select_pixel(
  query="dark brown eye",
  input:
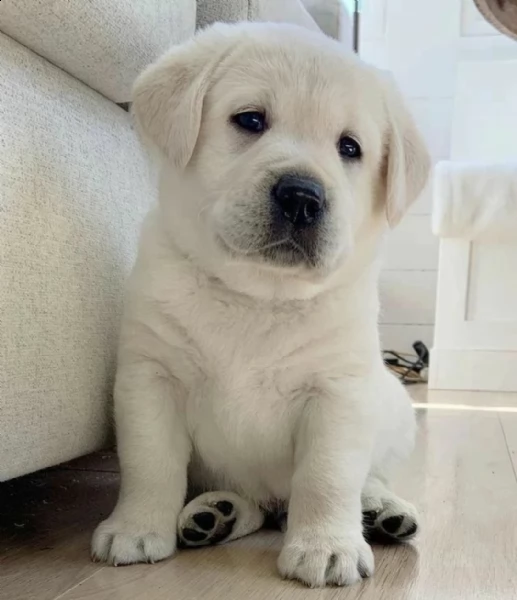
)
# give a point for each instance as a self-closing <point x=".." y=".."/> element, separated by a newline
<point x="252" y="121"/>
<point x="349" y="148"/>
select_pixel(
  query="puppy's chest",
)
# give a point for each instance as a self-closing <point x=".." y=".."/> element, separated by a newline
<point x="254" y="370"/>
<point x="238" y="339"/>
<point x="255" y="360"/>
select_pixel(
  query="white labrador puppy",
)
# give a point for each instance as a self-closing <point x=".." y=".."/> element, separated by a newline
<point x="249" y="365"/>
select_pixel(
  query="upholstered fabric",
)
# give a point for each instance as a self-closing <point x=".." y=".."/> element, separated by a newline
<point x="231" y="11"/>
<point x="104" y="43"/>
<point x="74" y="187"/>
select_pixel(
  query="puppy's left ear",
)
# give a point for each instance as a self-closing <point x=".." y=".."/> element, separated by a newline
<point x="168" y="95"/>
<point x="406" y="162"/>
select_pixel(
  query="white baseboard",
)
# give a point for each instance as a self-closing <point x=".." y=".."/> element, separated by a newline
<point x="476" y="370"/>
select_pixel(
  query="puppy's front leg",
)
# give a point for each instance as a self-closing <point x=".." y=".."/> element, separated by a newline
<point x="154" y="451"/>
<point x="324" y="541"/>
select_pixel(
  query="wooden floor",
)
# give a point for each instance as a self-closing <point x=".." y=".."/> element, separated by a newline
<point x="462" y="477"/>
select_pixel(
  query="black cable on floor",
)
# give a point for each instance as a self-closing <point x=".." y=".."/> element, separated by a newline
<point x="408" y="370"/>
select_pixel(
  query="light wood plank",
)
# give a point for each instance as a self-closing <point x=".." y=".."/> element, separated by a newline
<point x="463" y="400"/>
<point x="482" y="401"/>
<point x="462" y="480"/>
<point x="509" y="424"/>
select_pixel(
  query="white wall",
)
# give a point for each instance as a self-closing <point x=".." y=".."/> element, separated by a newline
<point x="421" y="42"/>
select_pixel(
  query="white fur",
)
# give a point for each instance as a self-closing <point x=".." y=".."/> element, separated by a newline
<point x="258" y="379"/>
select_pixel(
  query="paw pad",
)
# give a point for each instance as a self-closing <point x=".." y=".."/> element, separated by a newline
<point x="392" y="524"/>
<point x="204" y="520"/>
<point x="193" y="535"/>
<point x="224" y="507"/>
<point x="369" y="518"/>
<point x="410" y="532"/>
<point x="382" y="529"/>
<point x="208" y="524"/>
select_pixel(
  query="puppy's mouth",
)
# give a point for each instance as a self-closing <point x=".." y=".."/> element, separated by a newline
<point x="292" y="253"/>
<point x="289" y="251"/>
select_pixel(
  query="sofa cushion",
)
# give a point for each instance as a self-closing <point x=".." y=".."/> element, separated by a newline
<point x="74" y="187"/>
<point x="104" y="43"/>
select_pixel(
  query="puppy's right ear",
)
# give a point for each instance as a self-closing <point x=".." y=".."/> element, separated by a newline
<point x="407" y="161"/>
<point x="168" y="95"/>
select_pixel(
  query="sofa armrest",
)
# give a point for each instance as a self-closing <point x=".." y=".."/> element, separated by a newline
<point x="103" y="43"/>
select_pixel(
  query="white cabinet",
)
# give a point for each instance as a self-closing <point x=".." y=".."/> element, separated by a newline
<point x="475" y="344"/>
<point x="424" y="43"/>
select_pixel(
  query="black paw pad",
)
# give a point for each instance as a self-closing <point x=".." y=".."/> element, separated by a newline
<point x="369" y="517"/>
<point x="224" y="507"/>
<point x="223" y="532"/>
<point x="392" y="524"/>
<point x="204" y="520"/>
<point x="411" y="531"/>
<point x="191" y="535"/>
<point x="276" y="520"/>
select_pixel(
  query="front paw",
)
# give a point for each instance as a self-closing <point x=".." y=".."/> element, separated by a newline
<point x="319" y="559"/>
<point x="124" y="541"/>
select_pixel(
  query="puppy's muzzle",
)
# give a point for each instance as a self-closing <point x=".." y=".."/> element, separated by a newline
<point x="300" y="200"/>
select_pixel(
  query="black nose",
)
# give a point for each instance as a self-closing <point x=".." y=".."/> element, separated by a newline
<point x="300" y="199"/>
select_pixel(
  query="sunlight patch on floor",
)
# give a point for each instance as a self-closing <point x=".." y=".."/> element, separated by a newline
<point x="436" y="406"/>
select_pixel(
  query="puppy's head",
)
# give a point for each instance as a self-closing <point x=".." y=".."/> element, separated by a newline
<point x="281" y="150"/>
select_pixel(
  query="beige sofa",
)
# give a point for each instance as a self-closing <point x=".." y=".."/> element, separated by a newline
<point x="74" y="187"/>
